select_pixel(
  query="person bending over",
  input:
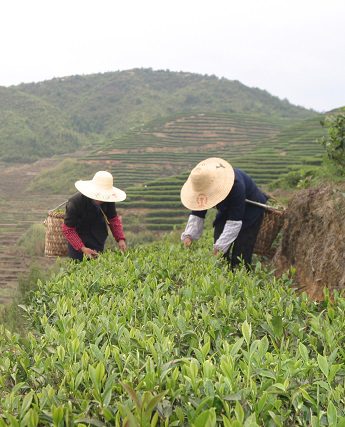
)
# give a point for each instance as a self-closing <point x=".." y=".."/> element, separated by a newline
<point x="89" y="212"/>
<point x="215" y="183"/>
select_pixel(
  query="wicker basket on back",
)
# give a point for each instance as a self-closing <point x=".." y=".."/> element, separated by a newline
<point x="55" y="241"/>
<point x="271" y="225"/>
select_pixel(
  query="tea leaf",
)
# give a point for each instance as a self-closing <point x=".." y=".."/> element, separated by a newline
<point x="332" y="414"/>
<point x="236" y="347"/>
<point x="26" y="403"/>
<point x="206" y="419"/>
<point x="303" y="351"/>
<point x="277" y="324"/>
<point x="246" y="331"/>
<point x="323" y="364"/>
<point x="239" y="412"/>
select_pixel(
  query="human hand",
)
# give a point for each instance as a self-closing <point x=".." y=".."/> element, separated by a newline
<point x="187" y="242"/>
<point x="215" y="251"/>
<point x="89" y="253"/>
<point x="122" y="245"/>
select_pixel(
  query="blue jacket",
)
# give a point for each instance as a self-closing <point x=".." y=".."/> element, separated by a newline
<point x="234" y="206"/>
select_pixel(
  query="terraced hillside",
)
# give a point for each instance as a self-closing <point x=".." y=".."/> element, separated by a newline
<point x="165" y="148"/>
<point x="151" y="162"/>
<point x="19" y="210"/>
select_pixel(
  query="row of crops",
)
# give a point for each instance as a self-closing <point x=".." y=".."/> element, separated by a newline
<point x="169" y="337"/>
<point x="170" y="147"/>
<point x="151" y="162"/>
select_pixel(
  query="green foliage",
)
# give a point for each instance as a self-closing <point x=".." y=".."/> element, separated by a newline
<point x="301" y="178"/>
<point x="307" y="178"/>
<point x="31" y="128"/>
<point x="170" y="337"/>
<point x="335" y="141"/>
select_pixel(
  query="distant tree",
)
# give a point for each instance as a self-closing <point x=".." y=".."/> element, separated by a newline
<point x="191" y="99"/>
<point x="334" y="142"/>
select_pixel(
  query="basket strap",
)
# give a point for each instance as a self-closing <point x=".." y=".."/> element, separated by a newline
<point x="105" y="218"/>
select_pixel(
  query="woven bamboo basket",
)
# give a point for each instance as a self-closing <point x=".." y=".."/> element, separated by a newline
<point x="55" y="241"/>
<point x="271" y="225"/>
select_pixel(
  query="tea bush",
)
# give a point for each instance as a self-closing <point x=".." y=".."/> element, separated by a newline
<point x="170" y="337"/>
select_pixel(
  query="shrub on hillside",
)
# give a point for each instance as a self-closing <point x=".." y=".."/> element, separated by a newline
<point x="335" y="141"/>
<point x="295" y="179"/>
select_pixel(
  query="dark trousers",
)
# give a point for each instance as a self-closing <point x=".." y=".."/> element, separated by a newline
<point x="242" y="248"/>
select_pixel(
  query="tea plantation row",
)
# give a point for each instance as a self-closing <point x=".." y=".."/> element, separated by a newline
<point x="166" y="336"/>
<point x="169" y="146"/>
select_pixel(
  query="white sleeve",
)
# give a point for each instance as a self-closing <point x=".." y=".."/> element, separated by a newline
<point x="194" y="228"/>
<point x="229" y="234"/>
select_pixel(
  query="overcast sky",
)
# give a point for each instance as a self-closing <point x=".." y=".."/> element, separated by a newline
<point x="294" y="49"/>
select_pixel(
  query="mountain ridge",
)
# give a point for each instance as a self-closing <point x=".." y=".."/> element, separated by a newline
<point x="105" y="105"/>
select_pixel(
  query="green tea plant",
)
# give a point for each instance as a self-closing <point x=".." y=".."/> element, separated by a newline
<point x="164" y="336"/>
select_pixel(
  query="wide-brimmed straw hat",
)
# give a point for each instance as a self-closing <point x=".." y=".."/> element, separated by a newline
<point x="101" y="188"/>
<point x="208" y="184"/>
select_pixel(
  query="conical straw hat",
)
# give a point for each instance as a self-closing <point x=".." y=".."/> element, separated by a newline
<point x="208" y="184"/>
<point x="101" y="188"/>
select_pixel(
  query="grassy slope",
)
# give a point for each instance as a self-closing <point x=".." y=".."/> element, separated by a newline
<point x="108" y="335"/>
<point x="60" y="178"/>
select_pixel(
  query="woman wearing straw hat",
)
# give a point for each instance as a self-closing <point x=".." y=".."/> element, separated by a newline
<point x="89" y="212"/>
<point x="215" y="183"/>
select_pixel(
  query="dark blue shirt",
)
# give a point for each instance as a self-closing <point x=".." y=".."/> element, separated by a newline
<point x="234" y="206"/>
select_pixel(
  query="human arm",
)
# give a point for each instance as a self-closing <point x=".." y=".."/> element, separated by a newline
<point x="75" y="241"/>
<point x="229" y="235"/>
<point x="116" y="228"/>
<point x="114" y="222"/>
<point x="230" y="213"/>
<point x="194" y="227"/>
